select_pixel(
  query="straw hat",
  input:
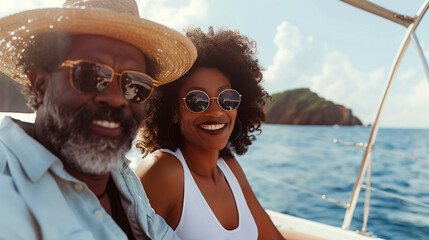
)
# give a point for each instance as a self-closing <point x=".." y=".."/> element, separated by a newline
<point x="172" y="52"/>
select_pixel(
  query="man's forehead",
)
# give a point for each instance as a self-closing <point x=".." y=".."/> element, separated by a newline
<point x="95" y="42"/>
<point x="106" y="50"/>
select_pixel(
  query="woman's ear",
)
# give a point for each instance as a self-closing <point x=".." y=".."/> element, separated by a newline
<point x="39" y="81"/>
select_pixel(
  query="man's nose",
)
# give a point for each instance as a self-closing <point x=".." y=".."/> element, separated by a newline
<point x="112" y="95"/>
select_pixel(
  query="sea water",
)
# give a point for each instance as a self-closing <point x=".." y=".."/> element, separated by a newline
<point x="290" y="168"/>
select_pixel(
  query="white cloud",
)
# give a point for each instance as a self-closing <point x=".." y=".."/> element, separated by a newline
<point x="175" y="14"/>
<point x="420" y="94"/>
<point x="288" y="36"/>
<point x="341" y="82"/>
<point x="410" y="106"/>
<point x="288" y="41"/>
<point x="331" y="74"/>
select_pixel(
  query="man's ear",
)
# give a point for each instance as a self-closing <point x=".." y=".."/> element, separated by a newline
<point x="39" y="81"/>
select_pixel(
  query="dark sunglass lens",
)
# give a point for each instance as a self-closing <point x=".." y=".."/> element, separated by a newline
<point x="197" y="101"/>
<point x="229" y="100"/>
<point x="136" y="86"/>
<point x="91" y="77"/>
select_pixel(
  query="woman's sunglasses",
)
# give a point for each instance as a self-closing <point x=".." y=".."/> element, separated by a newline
<point x="198" y="101"/>
<point x="89" y="77"/>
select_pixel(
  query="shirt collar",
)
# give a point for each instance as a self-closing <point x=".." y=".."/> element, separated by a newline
<point x="34" y="158"/>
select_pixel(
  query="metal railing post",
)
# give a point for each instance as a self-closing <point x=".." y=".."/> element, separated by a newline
<point x="367" y="156"/>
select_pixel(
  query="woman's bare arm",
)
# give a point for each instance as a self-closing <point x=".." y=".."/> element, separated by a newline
<point x="162" y="177"/>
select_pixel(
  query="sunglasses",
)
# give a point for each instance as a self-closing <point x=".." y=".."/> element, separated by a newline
<point x="89" y="77"/>
<point x="198" y="101"/>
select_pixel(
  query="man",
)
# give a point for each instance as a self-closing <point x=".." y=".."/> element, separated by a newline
<point x="87" y="69"/>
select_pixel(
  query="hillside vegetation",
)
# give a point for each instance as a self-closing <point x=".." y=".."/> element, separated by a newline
<point x="304" y="107"/>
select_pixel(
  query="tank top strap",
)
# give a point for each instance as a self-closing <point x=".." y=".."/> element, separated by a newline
<point x="178" y="154"/>
<point x="243" y="211"/>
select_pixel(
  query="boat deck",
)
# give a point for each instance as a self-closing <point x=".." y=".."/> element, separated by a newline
<point x="320" y="230"/>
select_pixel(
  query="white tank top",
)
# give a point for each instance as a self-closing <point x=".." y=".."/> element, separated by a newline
<point x="199" y="222"/>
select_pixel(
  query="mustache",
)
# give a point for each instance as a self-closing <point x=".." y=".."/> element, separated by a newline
<point x="80" y="119"/>
<point x="85" y="116"/>
<point x="107" y="113"/>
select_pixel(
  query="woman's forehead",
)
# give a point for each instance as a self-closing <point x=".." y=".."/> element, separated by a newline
<point x="206" y="79"/>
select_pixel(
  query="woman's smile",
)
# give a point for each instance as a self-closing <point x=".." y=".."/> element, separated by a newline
<point x="213" y="127"/>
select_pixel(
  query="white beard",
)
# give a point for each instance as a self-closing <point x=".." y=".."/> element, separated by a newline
<point x="95" y="158"/>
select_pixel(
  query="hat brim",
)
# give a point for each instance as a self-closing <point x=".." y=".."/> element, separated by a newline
<point x="172" y="52"/>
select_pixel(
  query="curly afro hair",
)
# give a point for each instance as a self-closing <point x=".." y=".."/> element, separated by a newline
<point x="233" y="55"/>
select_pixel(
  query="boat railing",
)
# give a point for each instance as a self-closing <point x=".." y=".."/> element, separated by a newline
<point x="411" y="24"/>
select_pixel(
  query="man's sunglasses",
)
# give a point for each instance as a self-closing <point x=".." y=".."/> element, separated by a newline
<point x="89" y="77"/>
<point x="198" y="101"/>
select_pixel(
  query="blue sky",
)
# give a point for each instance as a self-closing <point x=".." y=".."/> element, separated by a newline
<point x="342" y="53"/>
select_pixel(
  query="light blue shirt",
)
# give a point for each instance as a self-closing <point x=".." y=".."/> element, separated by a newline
<point x="40" y="200"/>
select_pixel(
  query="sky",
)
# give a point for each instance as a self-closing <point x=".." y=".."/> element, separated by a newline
<point x="338" y="51"/>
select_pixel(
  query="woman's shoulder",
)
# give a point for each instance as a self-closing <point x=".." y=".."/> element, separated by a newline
<point x="162" y="164"/>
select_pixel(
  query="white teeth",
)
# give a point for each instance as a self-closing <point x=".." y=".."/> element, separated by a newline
<point x="106" y="124"/>
<point x="212" y="126"/>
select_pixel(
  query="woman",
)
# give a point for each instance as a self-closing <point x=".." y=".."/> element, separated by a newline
<point x="194" y="125"/>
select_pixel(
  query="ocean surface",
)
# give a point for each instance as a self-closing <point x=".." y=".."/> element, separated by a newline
<point x="291" y="167"/>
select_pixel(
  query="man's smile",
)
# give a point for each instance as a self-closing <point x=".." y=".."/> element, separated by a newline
<point x="106" y="127"/>
<point x="106" y="123"/>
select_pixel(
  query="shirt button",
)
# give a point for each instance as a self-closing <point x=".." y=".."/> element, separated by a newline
<point x="78" y="186"/>
<point x="98" y="213"/>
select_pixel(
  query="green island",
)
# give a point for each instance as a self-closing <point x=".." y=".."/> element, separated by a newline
<point x="303" y="107"/>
